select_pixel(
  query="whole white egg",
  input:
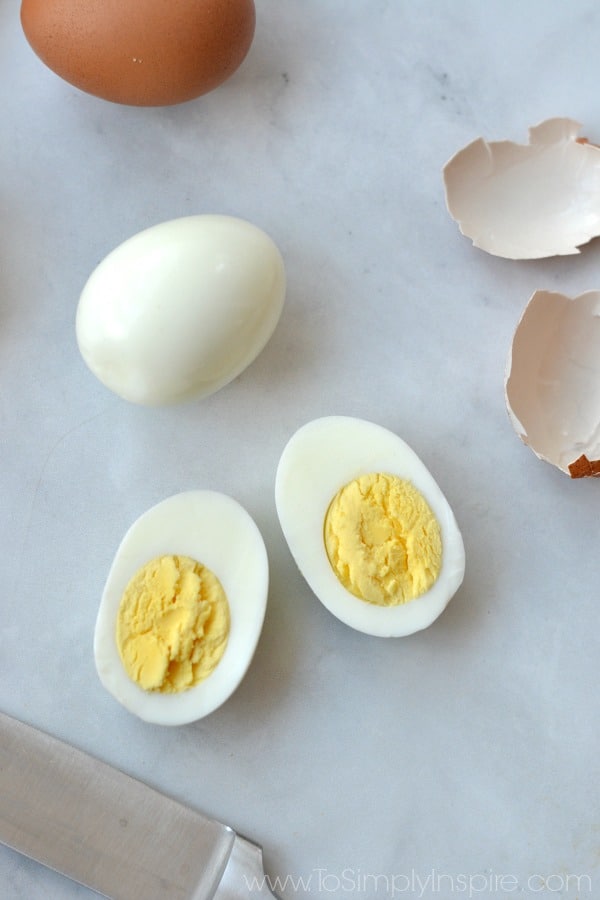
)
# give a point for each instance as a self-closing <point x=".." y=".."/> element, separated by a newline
<point x="215" y="530"/>
<point x="179" y="310"/>
<point x="321" y="458"/>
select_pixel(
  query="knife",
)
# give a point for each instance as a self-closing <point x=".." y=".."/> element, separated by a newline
<point x="113" y="833"/>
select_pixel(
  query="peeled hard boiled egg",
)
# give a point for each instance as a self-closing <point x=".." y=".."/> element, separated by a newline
<point x="147" y="637"/>
<point x="368" y="526"/>
<point x="141" y="52"/>
<point x="527" y="201"/>
<point x="179" y="310"/>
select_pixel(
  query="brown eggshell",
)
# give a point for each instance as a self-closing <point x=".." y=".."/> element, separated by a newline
<point x="141" y="52"/>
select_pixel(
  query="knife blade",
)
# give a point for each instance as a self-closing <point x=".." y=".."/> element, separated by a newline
<point x="113" y="833"/>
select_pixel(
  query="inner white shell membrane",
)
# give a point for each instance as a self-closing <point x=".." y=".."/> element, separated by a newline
<point x="216" y="531"/>
<point x="527" y="201"/>
<point x="319" y="459"/>
<point x="553" y="377"/>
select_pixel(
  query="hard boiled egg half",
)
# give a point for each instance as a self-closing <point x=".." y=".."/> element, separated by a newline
<point x="183" y="608"/>
<point x="368" y="526"/>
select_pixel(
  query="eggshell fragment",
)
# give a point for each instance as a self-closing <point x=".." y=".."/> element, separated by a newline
<point x="527" y="201"/>
<point x="553" y="380"/>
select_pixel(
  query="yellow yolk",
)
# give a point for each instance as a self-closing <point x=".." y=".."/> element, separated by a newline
<point x="383" y="540"/>
<point x="173" y="624"/>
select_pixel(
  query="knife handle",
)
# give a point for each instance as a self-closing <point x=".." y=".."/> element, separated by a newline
<point x="244" y="875"/>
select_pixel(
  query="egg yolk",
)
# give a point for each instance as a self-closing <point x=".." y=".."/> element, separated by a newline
<point x="383" y="540"/>
<point x="172" y="625"/>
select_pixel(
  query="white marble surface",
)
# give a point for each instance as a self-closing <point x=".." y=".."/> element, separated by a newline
<point x="470" y="749"/>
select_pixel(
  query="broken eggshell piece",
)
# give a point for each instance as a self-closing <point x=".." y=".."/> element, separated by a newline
<point x="552" y="384"/>
<point x="527" y="201"/>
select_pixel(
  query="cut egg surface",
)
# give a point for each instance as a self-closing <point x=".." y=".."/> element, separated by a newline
<point x="368" y="526"/>
<point x="179" y="310"/>
<point x="207" y="544"/>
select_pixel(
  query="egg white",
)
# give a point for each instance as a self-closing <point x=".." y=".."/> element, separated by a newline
<point x="180" y="309"/>
<point x="319" y="459"/>
<point x="215" y="530"/>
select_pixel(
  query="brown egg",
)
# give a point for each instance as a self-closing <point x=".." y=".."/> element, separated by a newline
<point x="141" y="52"/>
